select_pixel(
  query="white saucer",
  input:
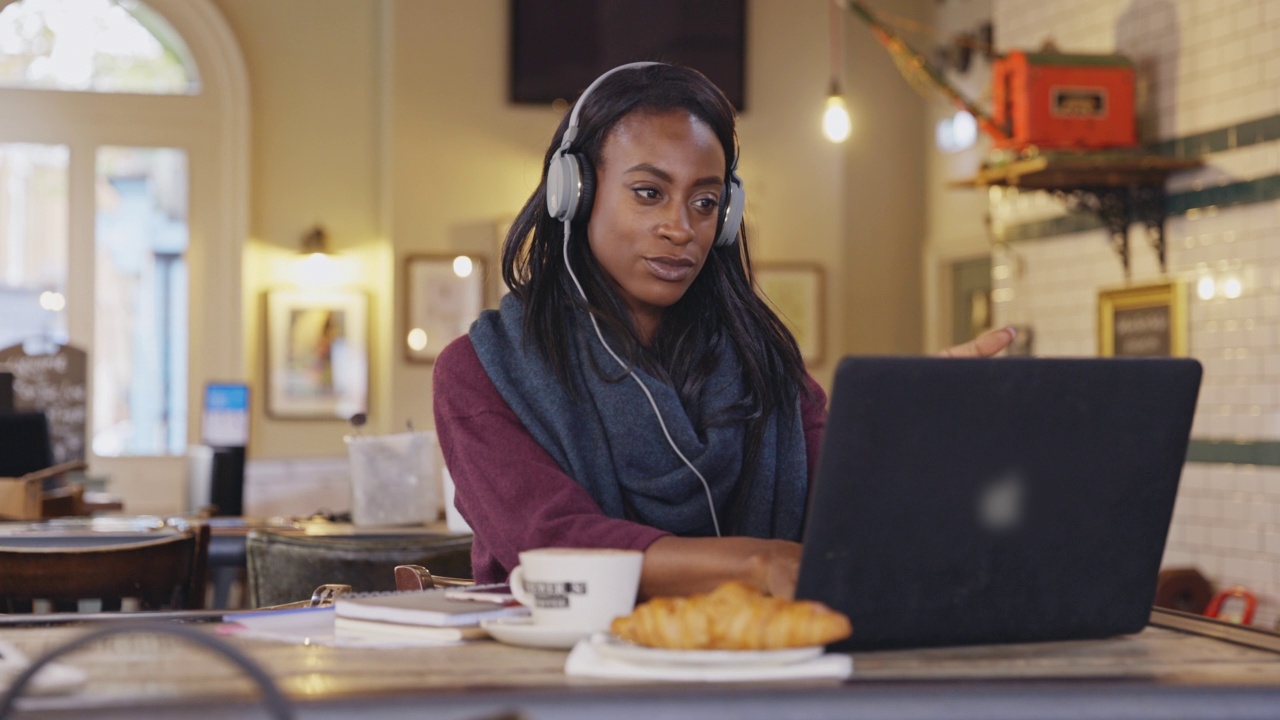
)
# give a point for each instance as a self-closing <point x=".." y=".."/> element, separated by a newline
<point x="611" y="646"/>
<point x="523" y="631"/>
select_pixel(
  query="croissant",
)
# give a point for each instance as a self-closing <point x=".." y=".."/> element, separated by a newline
<point x="734" y="616"/>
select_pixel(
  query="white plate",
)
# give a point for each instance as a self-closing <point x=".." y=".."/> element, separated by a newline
<point x="611" y="646"/>
<point x="522" y="631"/>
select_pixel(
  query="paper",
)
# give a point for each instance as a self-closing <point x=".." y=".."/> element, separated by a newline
<point x="585" y="661"/>
<point x="315" y="626"/>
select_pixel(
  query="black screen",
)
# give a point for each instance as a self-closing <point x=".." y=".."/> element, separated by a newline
<point x="559" y="46"/>
<point x="24" y="443"/>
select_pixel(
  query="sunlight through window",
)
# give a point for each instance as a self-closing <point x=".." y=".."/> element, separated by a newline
<point x="113" y="46"/>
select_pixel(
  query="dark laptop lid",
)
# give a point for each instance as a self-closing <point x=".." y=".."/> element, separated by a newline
<point x="987" y="501"/>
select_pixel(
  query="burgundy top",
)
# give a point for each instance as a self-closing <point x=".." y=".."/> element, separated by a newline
<point x="514" y="496"/>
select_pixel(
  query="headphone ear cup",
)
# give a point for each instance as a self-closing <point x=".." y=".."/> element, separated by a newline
<point x="587" y="185"/>
<point x="735" y="199"/>
<point x="564" y="187"/>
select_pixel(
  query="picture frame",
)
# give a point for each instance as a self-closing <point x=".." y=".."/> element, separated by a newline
<point x="317" y="354"/>
<point x="796" y="291"/>
<point x="443" y="295"/>
<point x="1143" y="321"/>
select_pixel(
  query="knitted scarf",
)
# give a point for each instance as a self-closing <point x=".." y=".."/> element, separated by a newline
<point x="609" y="441"/>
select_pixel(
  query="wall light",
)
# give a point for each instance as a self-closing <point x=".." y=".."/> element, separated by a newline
<point x="462" y="266"/>
<point x="315" y="242"/>
<point x="1206" y="288"/>
<point x="417" y="339"/>
<point x="1232" y="288"/>
<point x="319" y="266"/>
<point x="52" y="301"/>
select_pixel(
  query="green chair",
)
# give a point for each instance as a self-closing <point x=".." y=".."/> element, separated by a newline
<point x="284" y="568"/>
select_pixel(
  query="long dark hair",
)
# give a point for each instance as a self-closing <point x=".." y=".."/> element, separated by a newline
<point x="720" y="309"/>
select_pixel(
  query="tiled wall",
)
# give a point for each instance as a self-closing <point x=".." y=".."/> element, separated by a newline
<point x="1206" y="65"/>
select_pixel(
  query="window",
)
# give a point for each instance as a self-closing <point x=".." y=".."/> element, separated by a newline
<point x="101" y="228"/>
<point x="140" y="293"/>
<point x="33" y="242"/>
<point x="96" y="45"/>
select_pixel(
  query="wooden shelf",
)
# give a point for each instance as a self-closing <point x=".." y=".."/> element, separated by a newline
<point x="1061" y="171"/>
<point x="1119" y="188"/>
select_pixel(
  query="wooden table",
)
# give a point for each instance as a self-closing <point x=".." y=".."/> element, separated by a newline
<point x="1159" y="673"/>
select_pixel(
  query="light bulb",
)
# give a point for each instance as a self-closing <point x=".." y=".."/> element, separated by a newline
<point x="836" y="124"/>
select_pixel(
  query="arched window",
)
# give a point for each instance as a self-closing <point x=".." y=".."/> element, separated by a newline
<point x="94" y="45"/>
<point x="122" y="191"/>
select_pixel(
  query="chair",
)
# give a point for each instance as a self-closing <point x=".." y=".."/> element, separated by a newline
<point x="166" y="572"/>
<point x="285" y="568"/>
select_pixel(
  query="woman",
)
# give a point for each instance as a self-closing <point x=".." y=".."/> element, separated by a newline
<point x="633" y="391"/>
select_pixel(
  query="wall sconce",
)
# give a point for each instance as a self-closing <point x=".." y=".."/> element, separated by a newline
<point x="319" y="267"/>
<point x="315" y="242"/>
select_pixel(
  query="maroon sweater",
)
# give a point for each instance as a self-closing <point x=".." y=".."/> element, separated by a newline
<point x="514" y="496"/>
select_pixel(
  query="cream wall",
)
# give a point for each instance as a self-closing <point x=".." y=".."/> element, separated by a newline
<point x="387" y="121"/>
<point x="882" y="197"/>
<point x="313" y="75"/>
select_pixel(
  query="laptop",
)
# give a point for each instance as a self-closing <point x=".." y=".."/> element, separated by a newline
<point x="967" y="501"/>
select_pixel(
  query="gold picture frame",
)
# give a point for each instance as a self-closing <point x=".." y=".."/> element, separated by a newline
<point x="443" y="295"/>
<point x="317" y="354"/>
<point x="1144" y="321"/>
<point x="796" y="291"/>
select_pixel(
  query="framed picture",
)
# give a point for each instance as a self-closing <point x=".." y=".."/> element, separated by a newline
<point x="317" y="354"/>
<point x="1143" y="321"/>
<point x="443" y="295"/>
<point x="795" y="290"/>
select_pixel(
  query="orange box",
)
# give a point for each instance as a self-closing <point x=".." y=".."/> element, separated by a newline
<point x="1055" y="101"/>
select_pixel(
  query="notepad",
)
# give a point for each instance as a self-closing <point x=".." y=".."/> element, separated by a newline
<point x="423" y="607"/>
<point x="346" y="629"/>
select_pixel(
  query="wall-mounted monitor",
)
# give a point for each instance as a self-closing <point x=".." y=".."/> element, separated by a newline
<point x="559" y="46"/>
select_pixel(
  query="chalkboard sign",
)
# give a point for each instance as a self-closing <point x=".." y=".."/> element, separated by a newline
<point x="1147" y="321"/>
<point x="55" y="384"/>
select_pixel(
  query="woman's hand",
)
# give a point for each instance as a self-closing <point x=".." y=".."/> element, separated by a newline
<point x="985" y="345"/>
<point x="684" y="566"/>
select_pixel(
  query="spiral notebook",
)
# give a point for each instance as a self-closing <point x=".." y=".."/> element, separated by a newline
<point x="421" y="607"/>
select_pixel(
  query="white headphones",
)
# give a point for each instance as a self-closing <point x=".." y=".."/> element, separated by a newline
<point x="566" y="171"/>
<point x="565" y="186"/>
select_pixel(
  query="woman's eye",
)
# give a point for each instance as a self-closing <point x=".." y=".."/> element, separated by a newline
<point x="647" y="193"/>
<point x="707" y="203"/>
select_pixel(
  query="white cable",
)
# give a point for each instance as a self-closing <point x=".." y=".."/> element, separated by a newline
<point x="715" y="522"/>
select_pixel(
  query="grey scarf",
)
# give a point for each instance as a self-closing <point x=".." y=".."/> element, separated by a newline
<point x="609" y="441"/>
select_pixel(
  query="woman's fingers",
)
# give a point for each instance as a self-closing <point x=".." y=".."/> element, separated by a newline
<point x="985" y="345"/>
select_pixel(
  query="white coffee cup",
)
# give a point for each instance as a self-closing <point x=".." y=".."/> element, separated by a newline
<point x="577" y="588"/>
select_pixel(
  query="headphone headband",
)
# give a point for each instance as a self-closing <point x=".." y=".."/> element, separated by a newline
<point x="565" y="173"/>
<point x="571" y="132"/>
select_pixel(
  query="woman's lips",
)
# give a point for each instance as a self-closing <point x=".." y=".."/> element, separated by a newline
<point x="670" y="269"/>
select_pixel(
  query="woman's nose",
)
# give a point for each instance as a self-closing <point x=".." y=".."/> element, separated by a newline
<point x="676" y="227"/>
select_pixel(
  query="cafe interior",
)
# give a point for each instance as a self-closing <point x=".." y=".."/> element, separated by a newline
<point x="235" y="235"/>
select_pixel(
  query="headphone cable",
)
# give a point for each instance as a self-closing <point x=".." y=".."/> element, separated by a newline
<point x="715" y="522"/>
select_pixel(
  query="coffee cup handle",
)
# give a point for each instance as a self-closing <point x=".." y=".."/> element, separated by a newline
<point x="516" y="581"/>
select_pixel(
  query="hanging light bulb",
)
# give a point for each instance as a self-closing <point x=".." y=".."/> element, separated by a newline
<point x="836" y="125"/>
